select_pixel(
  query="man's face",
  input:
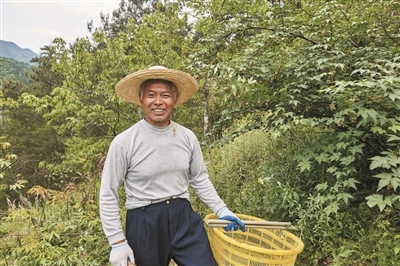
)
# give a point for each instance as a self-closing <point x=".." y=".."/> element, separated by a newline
<point x="158" y="102"/>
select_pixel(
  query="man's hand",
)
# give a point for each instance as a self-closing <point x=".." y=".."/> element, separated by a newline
<point x="236" y="223"/>
<point x="121" y="253"/>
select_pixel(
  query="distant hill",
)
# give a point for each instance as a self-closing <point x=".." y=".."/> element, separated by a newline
<point x="13" y="70"/>
<point x="13" y="51"/>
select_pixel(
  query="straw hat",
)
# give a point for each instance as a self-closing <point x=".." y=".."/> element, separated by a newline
<point x="128" y="88"/>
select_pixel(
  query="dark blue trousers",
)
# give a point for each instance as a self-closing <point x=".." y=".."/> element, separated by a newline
<point x="168" y="230"/>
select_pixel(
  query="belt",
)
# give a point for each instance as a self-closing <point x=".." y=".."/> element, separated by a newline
<point x="160" y="203"/>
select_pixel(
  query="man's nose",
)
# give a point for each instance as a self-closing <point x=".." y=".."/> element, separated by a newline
<point x="158" y="99"/>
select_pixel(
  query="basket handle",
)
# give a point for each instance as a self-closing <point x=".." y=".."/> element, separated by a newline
<point x="254" y="224"/>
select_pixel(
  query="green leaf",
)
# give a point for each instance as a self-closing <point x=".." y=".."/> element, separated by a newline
<point x="396" y="250"/>
<point x="373" y="114"/>
<point x="351" y="183"/>
<point x="385" y="180"/>
<point x="332" y="169"/>
<point x="342" y="145"/>
<point x="332" y="208"/>
<point x="347" y="160"/>
<point x="393" y="138"/>
<point x="335" y="157"/>
<point x="395" y="128"/>
<point x="363" y="114"/>
<point x="345" y="197"/>
<point x="304" y="165"/>
<point x="323" y="157"/>
<point x="322" y="186"/>
<point x="379" y="161"/>
<point x="378" y="130"/>
<point x="356" y="149"/>
<point x="377" y="200"/>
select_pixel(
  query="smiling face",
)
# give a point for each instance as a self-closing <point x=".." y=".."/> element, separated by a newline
<point x="158" y="101"/>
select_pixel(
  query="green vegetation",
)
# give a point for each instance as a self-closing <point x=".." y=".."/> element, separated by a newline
<point x="12" y="69"/>
<point x="297" y="111"/>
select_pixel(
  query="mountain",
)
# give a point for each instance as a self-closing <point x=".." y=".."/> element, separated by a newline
<point x="13" y="70"/>
<point x="11" y="50"/>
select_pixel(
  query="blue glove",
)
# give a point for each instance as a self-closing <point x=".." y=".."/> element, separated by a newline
<point x="225" y="214"/>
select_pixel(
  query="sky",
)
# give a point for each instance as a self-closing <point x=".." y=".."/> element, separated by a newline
<point x="33" y="24"/>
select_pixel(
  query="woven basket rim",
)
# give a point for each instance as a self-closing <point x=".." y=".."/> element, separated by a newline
<point x="220" y="233"/>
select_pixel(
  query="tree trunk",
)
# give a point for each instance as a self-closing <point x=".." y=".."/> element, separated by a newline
<point x="205" y="103"/>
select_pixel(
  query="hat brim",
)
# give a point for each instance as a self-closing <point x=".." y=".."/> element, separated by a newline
<point x="128" y="88"/>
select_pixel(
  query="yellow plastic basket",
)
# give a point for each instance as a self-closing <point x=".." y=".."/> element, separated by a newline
<point x="255" y="246"/>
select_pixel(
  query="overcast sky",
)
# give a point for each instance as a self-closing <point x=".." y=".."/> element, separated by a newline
<point x="34" y="24"/>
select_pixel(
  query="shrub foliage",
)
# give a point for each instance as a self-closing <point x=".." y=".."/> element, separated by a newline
<point x="299" y="105"/>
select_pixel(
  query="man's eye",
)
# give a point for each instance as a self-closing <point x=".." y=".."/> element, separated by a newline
<point x="166" y="95"/>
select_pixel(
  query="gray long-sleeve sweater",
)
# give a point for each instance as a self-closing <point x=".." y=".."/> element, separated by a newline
<point x="155" y="164"/>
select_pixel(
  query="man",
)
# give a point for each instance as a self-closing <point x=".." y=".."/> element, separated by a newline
<point x="157" y="160"/>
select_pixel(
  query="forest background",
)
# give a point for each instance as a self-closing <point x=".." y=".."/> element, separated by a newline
<point x="297" y="113"/>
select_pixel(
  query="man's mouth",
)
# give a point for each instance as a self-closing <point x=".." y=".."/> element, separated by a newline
<point x="158" y="110"/>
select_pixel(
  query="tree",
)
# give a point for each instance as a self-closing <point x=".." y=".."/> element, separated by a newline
<point x="12" y="69"/>
<point x="84" y="110"/>
<point x="24" y="127"/>
<point x="319" y="78"/>
<point x="7" y="160"/>
<point x="330" y="66"/>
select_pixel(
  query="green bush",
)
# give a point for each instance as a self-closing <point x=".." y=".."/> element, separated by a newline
<point x="259" y="174"/>
<point x="59" y="228"/>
